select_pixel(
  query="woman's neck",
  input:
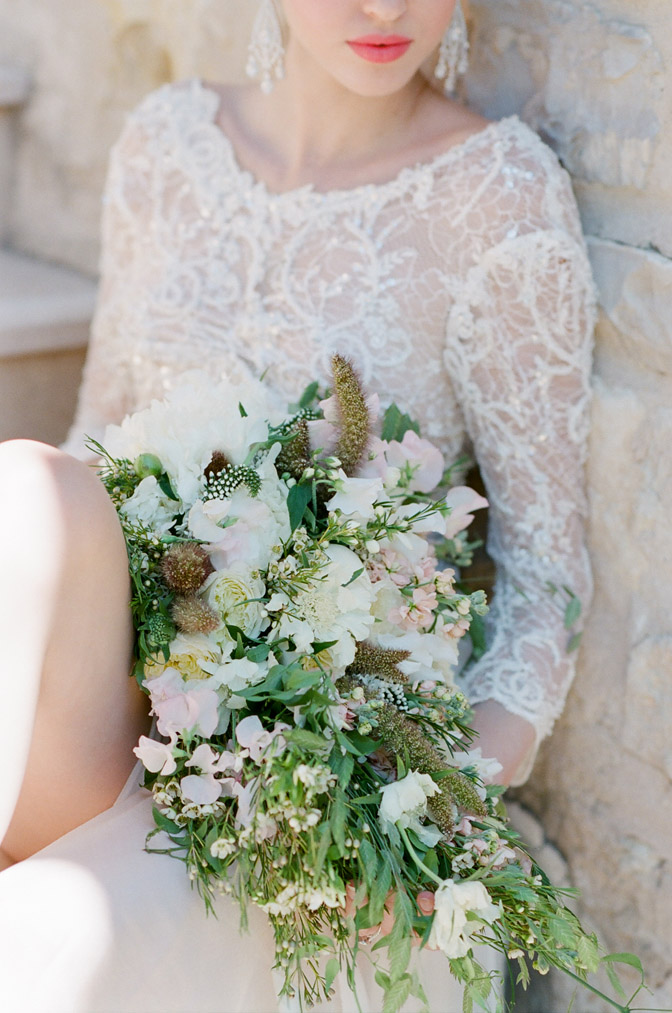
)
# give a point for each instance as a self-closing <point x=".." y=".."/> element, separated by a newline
<point x="315" y="130"/>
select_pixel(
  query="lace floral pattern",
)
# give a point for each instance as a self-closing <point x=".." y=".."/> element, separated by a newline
<point x="460" y="288"/>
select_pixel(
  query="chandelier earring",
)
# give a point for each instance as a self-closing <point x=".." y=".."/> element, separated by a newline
<point x="453" y="51"/>
<point x="265" y="54"/>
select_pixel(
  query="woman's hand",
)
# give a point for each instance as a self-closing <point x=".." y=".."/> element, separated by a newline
<point x="425" y="902"/>
<point x="506" y="737"/>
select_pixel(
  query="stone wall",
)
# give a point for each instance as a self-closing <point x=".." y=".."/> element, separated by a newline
<point x="590" y="76"/>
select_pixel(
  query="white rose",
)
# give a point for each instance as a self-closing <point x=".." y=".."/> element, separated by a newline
<point x="191" y="654"/>
<point x="451" y="929"/>
<point x="404" y="803"/>
<point x="231" y="592"/>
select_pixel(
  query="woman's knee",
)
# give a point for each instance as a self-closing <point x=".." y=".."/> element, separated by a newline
<point x="49" y="496"/>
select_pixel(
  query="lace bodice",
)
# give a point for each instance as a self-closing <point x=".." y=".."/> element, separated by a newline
<point x="460" y="288"/>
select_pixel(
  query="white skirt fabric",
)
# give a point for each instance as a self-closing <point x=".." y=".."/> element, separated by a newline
<point x="94" y="924"/>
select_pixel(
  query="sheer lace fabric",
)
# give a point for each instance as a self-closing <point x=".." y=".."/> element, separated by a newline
<point x="460" y="288"/>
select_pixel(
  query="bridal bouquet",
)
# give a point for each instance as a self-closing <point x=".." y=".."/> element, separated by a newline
<point x="297" y="633"/>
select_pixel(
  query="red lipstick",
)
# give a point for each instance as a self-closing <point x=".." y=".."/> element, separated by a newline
<point x="380" y="48"/>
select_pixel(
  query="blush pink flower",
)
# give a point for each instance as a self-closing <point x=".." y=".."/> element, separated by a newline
<point x="419" y="613"/>
<point x="182" y="706"/>
<point x="462" y="502"/>
<point x="422" y="457"/>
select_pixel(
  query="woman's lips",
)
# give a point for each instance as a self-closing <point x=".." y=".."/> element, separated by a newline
<point x="380" y="48"/>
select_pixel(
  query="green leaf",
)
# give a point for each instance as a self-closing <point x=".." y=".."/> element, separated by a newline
<point x="356" y="574"/>
<point x="399" y="955"/>
<point x="342" y="765"/>
<point x="477" y="636"/>
<point x="573" y="642"/>
<point x="309" y="395"/>
<point x="572" y="611"/>
<point x="332" y="968"/>
<point x="297" y="500"/>
<point x="163" y="823"/>
<point x="615" y="983"/>
<point x="588" y="951"/>
<point x="625" y="958"/>
<point x="305" y="739"/>
<point x="166" y="488"/>
<point x="369" y="859"/>
<point x="337" y="818"/>
<point x="259" y="653"/>
<point x="325" y="844"/>
<point x="379" y="892"/>
<point x="322" y="645"/>
<point x="396" y="423"/>
<point x="396" y="996"/>
<point x="241" y="409"/>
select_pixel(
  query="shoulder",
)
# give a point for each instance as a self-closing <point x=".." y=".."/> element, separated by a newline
<point x="168" y="111"/>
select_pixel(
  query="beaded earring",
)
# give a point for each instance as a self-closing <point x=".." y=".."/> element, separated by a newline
<point x="265" y="54"/>
<point x="453" y="51"/>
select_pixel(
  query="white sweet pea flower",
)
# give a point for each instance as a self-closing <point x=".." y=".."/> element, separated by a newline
<point x="157" y="757"/>
<point x="150" y="506"/>
<point x="451" y="930"/>
<point x="337" y="606"/>
<point x="432" y="657"/>
<point x="239" y="674"/>
<point x="404" y="803"/>
<point x="486" y="767"/>
<point x="355" y="497"/>
<point x="253" y="737"/>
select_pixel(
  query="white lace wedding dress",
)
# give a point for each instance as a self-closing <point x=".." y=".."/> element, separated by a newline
<point x="462" y="291"/>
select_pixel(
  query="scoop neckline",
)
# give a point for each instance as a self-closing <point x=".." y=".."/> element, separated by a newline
<point x="398" y="180"/>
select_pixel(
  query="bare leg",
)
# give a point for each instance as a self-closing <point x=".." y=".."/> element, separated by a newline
<point x="70" y="712"/>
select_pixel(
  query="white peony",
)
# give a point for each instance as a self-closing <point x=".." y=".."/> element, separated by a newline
<point x="451" y="928"/>
<point x="199" y="416"/>
<point x="404" y="803"/>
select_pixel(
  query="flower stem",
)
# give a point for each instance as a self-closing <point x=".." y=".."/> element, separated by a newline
<point x="596" y="991"/>
<point x="418" y="861"/>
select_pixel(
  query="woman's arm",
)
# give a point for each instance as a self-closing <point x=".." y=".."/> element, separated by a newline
<point x="520" y="364"/>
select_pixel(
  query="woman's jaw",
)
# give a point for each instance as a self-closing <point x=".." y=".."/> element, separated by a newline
<point x="370" y="48"/>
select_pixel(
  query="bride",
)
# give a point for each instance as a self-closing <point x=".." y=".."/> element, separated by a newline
<point x="342" y="202"/>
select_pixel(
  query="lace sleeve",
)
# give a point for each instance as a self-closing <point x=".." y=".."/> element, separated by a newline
<point x="519" y="353"/>
<point x="106" y="393"/>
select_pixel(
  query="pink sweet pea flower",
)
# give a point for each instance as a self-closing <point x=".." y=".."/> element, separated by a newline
<point x="157" y="757"/>
<point x="182" y="706"/>
<point x="423" y="457"/>
<point x="462" y="502"/>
